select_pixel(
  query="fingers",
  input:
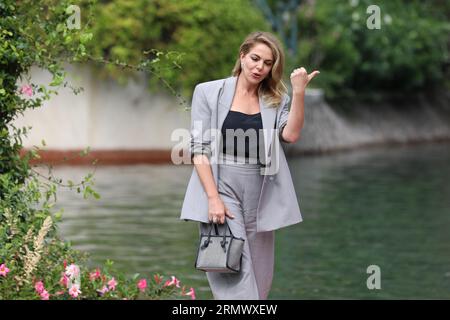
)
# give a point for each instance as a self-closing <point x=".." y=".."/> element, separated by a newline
<point x="220" y="218"/>
<point x="300" y="71"/>
<point x="313" y="74"/>
<point x="217" y="218"/>
<point x="228" y="213"/>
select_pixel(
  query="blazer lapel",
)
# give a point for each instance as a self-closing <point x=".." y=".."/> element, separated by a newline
<point x="225" y="100"/>
<point x="267" y="114"/>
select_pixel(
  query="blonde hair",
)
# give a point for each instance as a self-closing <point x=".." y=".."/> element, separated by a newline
<point x="272" y="87"/>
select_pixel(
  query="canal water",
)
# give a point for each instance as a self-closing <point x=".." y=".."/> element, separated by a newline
<point x="386" y="208"/>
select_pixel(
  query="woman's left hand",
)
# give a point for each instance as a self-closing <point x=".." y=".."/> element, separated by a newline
<point x="300" y="79"/>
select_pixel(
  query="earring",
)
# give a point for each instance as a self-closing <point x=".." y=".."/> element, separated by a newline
<point x="242" y="65"/>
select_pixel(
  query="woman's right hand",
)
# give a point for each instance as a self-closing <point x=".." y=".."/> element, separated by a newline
<point x="217" y="210"/>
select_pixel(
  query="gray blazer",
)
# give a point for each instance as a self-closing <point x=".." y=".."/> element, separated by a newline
<point x="278" y="205"/>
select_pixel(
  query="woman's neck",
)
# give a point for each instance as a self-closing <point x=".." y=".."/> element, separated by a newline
<point x="246" y="88"/>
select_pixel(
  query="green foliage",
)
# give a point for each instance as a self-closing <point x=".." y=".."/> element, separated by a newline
<point x="24" y="210"/>
<point x="407" y="54"/>
<point x="30" y="35"/>
<point x="203" y="35"/>
<point x="31" y="253"/>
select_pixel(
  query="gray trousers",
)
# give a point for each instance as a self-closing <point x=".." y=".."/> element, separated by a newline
<point x="239" y="188"/>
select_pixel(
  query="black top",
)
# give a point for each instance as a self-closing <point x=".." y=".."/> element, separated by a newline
<point x="249" y="141"/>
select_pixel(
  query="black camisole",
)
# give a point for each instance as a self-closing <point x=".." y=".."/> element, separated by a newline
<point x="248" y="141"/>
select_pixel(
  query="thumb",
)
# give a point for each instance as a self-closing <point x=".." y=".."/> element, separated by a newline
<point x="228" y="213"/>
<point x="313" y="74"/>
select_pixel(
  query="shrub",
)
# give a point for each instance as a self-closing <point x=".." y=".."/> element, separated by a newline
<point x="410" y="52"/>
<point x="207" y="33"/>
<point x="34" y="262"/>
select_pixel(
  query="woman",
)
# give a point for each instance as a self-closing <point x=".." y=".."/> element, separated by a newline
<point x="247" y="184"/>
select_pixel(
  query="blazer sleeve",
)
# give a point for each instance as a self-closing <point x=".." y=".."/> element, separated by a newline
<point x="200" y="124"/>
<point x="284" y="113"/>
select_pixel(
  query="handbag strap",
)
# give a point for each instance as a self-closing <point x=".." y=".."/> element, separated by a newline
<point x="224" y="239"/>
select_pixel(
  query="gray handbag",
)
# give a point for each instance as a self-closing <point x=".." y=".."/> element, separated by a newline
<point x="219" y="253"/>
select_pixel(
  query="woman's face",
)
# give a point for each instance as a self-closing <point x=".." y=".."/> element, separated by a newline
<point x="257" y="63"/>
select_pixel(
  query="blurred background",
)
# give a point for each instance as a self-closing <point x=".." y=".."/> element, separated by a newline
<point x="371" y="169"/>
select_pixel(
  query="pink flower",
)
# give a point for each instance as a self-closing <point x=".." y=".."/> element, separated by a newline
<point x="103" y="290"/>
<point x="191" y="293"/>
<point x="74" y="290"/>
<point x="39" y="287"/>
<point x="112" y="284"/>
<point x="172" y="282"/>
<point x="73" y="271"/>
<point x="58" y="293"/>
<point x="3" y="270"/>
<point x="95" y="275"/>
<point x="27" y="90"/>
<point x="142" y="285"/>
<point x="64" y="280"/>
<point x="44" y="295"/>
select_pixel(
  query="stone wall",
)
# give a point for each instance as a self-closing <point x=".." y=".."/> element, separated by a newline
<point x="120" y="124"/>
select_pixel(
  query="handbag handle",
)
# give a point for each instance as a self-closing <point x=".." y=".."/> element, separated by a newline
<point x="217" y="230"/>
<point x="224" y="240"/>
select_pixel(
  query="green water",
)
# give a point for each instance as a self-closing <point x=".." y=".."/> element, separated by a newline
<point x="388" y="207"/>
